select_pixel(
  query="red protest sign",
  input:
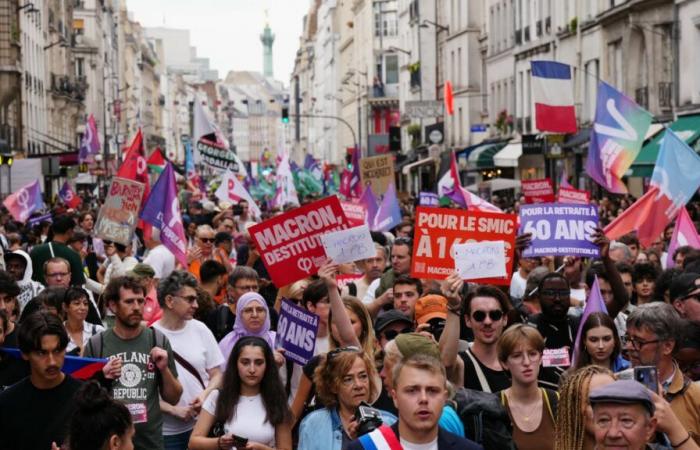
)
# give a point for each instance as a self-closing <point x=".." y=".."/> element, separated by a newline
<point x="355" y="213"/>
<point x="571" y="195"/>
<point x="345" y="279"/>
<point x="438" y="229"/>
<point x="538" y="191"/>
<point x="290" y="244"/>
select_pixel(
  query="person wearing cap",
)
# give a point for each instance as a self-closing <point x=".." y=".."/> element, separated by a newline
<point x="390" y="324"/>
<point x="626" y="415"/>
<point x="145" y="276"/>
<point x="60" y="232"/>
<point x="652" y="340"/>
<point x="685" y="296"/>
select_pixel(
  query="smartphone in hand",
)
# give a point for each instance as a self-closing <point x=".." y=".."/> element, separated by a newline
<point x="648" y="376"/>
<point x="239" y="442"/>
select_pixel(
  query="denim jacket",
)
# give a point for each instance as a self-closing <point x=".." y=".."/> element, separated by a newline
<point x="323" y="430"/>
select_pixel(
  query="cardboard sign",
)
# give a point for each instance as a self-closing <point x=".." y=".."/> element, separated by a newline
<point x="378" y="171"/>
<point x="437" y="230"/>
<point x="296" y="332"/>
<point x="428" y="199"/>
<point x="345" y="246"/>
<point x="571" y="195"/>
<point x="290" y="244"/>
<point x="538" y="191"/>
<point x="119" y="214"/>
<point x="480" y="259"/>
<point x="560" y="229"/>
<point x="355" y="213"/>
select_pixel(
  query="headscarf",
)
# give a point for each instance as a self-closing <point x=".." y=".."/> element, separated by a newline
<point x="239" y="329"/>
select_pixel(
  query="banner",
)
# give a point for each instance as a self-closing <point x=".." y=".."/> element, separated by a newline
<point x="345" y="279"/>
<point x="438" y="229"/>
<point x="78" y="367"/>
<point x="220" y="158"/>
<point x="571" y="195"/>
<point x="119" y="214"/>
<point x="290" y="244"/>
<point x="560" y="229"/>
<point x="355" y="213"/>
<point x="428" y="199"/>
<point x="378" y="172"/>
<point x="538" y="191"/>
<point x="296" y="332"/>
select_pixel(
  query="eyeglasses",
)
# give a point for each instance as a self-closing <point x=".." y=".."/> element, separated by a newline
<point x="57" y="275"/>
<point x="189" y="299"/>
<point x="480" y="316"/>
<point x="206" y="240"/>
<point x="390" y="335"/>
<point x="561" y="293"/>
<point x="333" y="353"/>
<point x="637" y="344"/>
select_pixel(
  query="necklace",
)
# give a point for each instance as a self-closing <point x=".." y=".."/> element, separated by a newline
<point x="522" y="413"/>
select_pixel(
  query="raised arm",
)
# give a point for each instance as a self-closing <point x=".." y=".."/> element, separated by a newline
<point x="346" y="334"/>
<point x="449" y="340"/>
<point x="620" y="297"/>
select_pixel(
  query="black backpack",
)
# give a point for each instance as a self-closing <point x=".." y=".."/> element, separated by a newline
<point x="485" y="420"/>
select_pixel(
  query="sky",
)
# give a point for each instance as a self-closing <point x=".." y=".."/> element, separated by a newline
<point x="228" y="31"/>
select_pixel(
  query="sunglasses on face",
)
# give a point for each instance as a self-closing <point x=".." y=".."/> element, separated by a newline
<point x="390" y="335"/>
<point x="207" y="240"/>
<point x="480" y="316"/>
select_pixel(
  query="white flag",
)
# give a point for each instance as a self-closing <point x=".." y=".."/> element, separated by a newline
<point x="232" y="190"/>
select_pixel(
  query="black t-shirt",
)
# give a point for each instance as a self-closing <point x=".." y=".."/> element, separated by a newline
<point x="497" y="379"/>
<point x="12" y="370"/>
<point x="11" y="339"/>
<point x="32" y="418"/>
<point x="556" y="335"/>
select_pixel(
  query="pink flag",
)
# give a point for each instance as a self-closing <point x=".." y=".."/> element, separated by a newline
<point x="564" y="183"/>
<point x="595" y="303"/>
<point x="369" y="201"/>
<point x="450" y="186"/>
<point x="25" y="201"/>
<point x="90" y="144"/>
<point x="684" y="233"/>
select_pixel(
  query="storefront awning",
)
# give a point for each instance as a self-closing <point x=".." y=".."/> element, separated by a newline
<point x="686" y="127"/>
<point x="496" y="184"/>
<point x="482" y="157"/>
<point x="407" y="169"/>
<point x="508" y="157"/>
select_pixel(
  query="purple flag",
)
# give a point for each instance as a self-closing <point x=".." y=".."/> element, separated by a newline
<point x="369" y="201"/>
<point x="162" y="210"/>
<point x="595" y="303"/>
<point x="389" y="213"/>
<point x="351" y="185"/>
<point x="25" y="201"/>
<point x="90" y="145"/>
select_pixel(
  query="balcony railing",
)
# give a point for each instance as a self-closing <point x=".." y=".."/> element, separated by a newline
<point x="641" y="96"/>
<point x="665" y="94"/>
<point x="73" y="88"/>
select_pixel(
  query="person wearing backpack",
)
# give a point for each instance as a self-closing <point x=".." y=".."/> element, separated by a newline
<point x="532" y="409"/>
<point x="141" y="362"/>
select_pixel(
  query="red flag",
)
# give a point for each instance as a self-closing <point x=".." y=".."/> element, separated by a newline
<point x="642" y="216"/>
<point x="134" y="168"/>
<point x="449" y="98"/>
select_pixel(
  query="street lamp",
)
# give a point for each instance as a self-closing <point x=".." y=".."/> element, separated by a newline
<point x="400" y="50"/>
<point x="61" y="41"/>
<point x="427" y="22"/>
<point x="29" y="5"/>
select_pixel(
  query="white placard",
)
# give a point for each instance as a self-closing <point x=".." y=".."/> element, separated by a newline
<point x="349" y="245"/>
<point x="484" y="259"/>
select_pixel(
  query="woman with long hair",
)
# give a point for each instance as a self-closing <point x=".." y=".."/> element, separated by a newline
<point x="600" y="344"/>
<point x="251" y="404"/>
<point x="345" y="378"/>
<point x="530" y="408"/>
<point x="76" y="305"/>
<point x="574" y="426"/>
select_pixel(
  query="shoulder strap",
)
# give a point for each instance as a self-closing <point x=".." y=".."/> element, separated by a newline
<point x="551" y="399"/>
<point x="97" y="351"/>
<point x="479" y="373"/>
<point x="189" y="367"/>
<point x="51" y="250"/>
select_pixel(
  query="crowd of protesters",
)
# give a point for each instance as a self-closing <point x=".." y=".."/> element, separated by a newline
<point x="193" y="360"/>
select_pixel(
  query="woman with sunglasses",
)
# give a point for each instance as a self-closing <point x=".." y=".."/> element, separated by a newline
<point x="532" y="410"/>
<point x="345" y="378"/>
<point x="75" y="307"/>
<point x="600" y="344"/>
<point x="251" y="404"/>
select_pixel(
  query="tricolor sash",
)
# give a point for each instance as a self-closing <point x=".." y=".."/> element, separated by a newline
<point x="383" y="438"/>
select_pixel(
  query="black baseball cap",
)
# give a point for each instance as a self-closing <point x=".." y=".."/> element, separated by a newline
<point x="387" y="318"/>
<point x="684" y="285"/>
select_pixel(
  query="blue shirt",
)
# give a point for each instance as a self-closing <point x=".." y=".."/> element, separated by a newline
<point x="323" y="430"/>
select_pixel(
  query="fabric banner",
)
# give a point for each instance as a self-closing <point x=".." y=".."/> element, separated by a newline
<point x="560" y="229"/>
<point x="78" y="367"/>
<point x="538" y="191"/>
<point x="68" y="196"/>
<point x="684" y="233"/>
<point x="23" y="203"/>
<point x="553" y="96"/>
<point x="232" y="190"/>
<point x="290" y="244"/>
<point x="438" y="229"/>
<point x="119" y="214"/>
<point x="220" y="158"/>
<point x="296" y="332"/>
<point x="428" y="199"/>
<point x="378" y="172"/>
<point x="571" y="195"/>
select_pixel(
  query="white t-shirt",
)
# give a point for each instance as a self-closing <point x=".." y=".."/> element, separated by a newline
<point x="196" y="344"/>
<point x="370" y="294"/>
<point x="517" y="285"/>
<point x="433" y="445"/>
<point x="162" y="260"/>
<point x="249" y="420"/>
<point x="89" y="330"/>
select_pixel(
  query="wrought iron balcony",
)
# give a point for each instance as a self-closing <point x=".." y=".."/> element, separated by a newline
<point x="641" y="96"/>
<point x="665" y="94"/>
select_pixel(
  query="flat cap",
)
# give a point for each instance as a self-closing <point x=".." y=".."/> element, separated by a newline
<point x="625" y="392"/>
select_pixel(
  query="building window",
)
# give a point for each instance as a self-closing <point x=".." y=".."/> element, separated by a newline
<point x="392" y="69"/>
<point x="80" y="67"/>
<point x="615" y="63"/>
<point x="591" y="78"/>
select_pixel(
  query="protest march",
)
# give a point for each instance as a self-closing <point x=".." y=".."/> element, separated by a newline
<point x="286" y="301"/>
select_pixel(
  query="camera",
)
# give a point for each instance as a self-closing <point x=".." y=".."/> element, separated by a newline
<point x="368" y="419"/>
<point x="436" y="327"/>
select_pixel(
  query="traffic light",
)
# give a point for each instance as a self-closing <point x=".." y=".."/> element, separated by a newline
<point x="6" y="160"/>
<point x="285" y="114"/>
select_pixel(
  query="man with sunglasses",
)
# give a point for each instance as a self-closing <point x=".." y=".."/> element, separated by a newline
<point x="685" y="296"/>
<point x="651" y="340"/>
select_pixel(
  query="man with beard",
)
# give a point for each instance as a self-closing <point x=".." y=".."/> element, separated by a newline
<point x="34" y="412"/>
<point x="144" y="367"/>
<point x="381" y="289"/>
<point x="372" y="268"/>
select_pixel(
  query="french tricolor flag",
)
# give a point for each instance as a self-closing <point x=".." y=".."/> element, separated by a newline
<point x="553" y="95"/>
